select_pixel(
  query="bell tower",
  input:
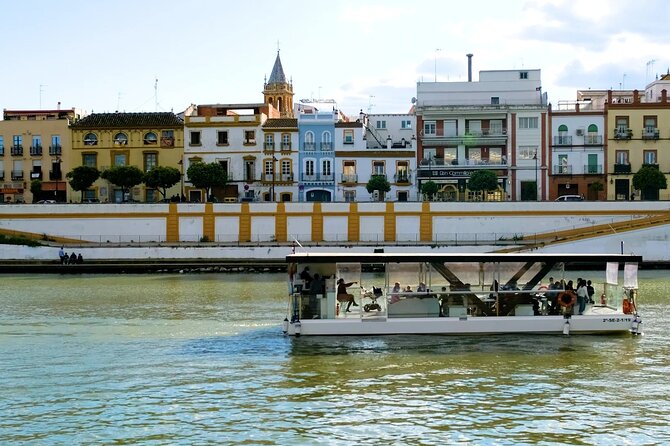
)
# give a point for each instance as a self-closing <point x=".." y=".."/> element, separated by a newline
<point x="278" y="92"/>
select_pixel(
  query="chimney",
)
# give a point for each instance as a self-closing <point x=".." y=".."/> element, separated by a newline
<point x="664" y="95"/>
<point x="636" y="97"/>
<point x="469" y="67"/>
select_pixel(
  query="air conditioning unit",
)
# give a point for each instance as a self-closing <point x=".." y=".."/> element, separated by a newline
<point x="580" y="132"/>
<point x="375" y="195"/>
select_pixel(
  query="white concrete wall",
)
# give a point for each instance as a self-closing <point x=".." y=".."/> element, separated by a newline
<point x="227" y="229"/>
<point x="299" y="228"/>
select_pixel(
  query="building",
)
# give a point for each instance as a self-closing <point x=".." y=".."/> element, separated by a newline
<point x="280" y="159"/>
<point x="497" y="123"/>
<point x="143" y="140"/>
<point x="638" y="134"/>
<point x="34" y="146"/>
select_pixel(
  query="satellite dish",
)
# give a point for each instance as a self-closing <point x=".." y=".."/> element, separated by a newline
<point x="413" y="100"/>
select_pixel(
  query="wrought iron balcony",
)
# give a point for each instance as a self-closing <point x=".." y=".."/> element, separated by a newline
<point x="17" y="150"/>
<point x="55" y="150"/>
<point x="403" y="178"/>
<point x="286" y="146"/>
<point x="318" y="177"/>
<point x="308" y="146"/>
<point x="36" y="150"/>
<point x="269" y="147"/>
<point x="562" y="170"/>
<point x="593" y="140"/>
<point x="593" y="169"/>
<point x="563" y="140"/>
<point x="17" y="175"/>
<point x="650" y="133"/>
<point x="349" y="178"/>
<point x="326" y="146"/>
<point x="623" y="133"/>
<point x="622" y="168"/>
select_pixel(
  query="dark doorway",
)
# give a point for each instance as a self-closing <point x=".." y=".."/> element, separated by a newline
<point x="318" y="195"/>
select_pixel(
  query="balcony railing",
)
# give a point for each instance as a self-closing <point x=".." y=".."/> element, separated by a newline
<point x="308" y="146"/>
<point x="464" y="162"/>
<point x="55" y="175"/>
<point x="2" y="150"/>
<point x="650" y="133"/>
<point x="318" y="177"/>
<point x="269" y="147"/>
<point x="403" y="178"/>
<point x="17" y="175"/>
<point x="593" y="140"/>
<point x="622" y="168"/>
<point x="17" y="150"/>
<point x="279" y="178"/>
<point x="654" y="165"/>
<point x="349" y="178"/>
<point x="286" y="177"/>
<point x="55" y="150"/>
<point x="35" y="150"/>
<point x="286" y="146"/>
<point x="623" y="133"/>
<point x="326" y="146"/>
<point x="562" y="170"/>
<point x="563" y="140"/>
<point x="593" y="169"/>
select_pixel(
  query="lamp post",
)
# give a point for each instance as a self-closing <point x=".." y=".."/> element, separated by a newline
<point x="537" y="188"/>
<point x="274" y="162"/>
<point x="181" y="169"/>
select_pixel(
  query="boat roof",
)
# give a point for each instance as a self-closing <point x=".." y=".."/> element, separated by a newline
<point x="411" y="257"/>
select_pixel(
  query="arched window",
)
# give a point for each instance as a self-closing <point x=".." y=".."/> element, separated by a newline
<point x="326" y="142"/>
<point x="150" y="138"/>
<point x="121" y="139"/>
<point x="91" y="139"/>
<point x="593" y="128"/>
<point x="562" y="128"/>
<point x="309" y="141"/>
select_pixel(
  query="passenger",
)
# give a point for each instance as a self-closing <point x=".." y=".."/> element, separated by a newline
<point x="61" y="255"/>
<point x="444" y="305"/>
<point x="394" y="293"/>
<point x="80" y="259"/>
<point x="582" y="296"/>
<point x="421" y="288"/>
<point x="306" y="277"/>
<point x="73" y="258"/>
<point x="591" y="291"/>
<point x="66" y="258"/>
<point x="343" y="296"/>
<point x="408" y="289"/>
<point x="318" y="285"/>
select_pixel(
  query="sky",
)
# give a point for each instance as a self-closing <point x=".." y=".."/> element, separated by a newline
<point x="163" y="55"/>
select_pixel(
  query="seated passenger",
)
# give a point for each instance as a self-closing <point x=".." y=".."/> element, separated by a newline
<point x="408" y="289"/>
<point x="421" y="288"/>
<point x="394" y="293"/>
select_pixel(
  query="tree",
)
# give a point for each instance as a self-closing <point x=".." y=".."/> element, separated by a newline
<point x="483" y="180"/>
<point x="36" y="189"/>
<point x="162" y="177"/>
<point x="125" y="177"/>
<point x="82" y="178"/>
<point x="380" y="183"/>
<point x="597" y="187"/>
<point x="206" y="176"/>
<point x="648" y="180"/>
<point x="429" y="189"/>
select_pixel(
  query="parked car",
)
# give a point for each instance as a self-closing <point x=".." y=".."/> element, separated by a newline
<point x="91" y="200"/>
<point x="570" y="198"/>
<point x="46" y="202"/>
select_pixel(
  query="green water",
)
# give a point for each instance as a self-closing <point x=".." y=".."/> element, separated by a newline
<point x="200" y="359"/>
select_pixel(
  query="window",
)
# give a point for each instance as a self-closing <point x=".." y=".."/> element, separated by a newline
<point x="167" y="138"/>
<point x="249" y="137"/>
<point x="650" y="123"/>
<point x="286" y="167"/>
<point x="55" y="148"/>
<point x="309" y="141"/>
<point x="18" y="141"/>
<point x="649" y="156"/>
<point x="562" y="128"/>
<point x="523" y="74"/>
<point x="381" y="124"/>
<point x="621" y="157"/>
<point x="195" y="138"/>
<point x="285" y="141"/>
<point x="495" y="100"/>
<point x="474" y="155"/>
<point x="270" y="141"/>
<point x="224" y="166"/>
<point x="222" y="137"/>
<point x="326" y="167"/>
<point x="592" y="129"/>
<point x="150" y="139"/>
<point x="37" y="141"/>
<point x="2" y="146"/>
<point x="309" y="167"/>
<point x="429" y="128"/>
<point x="378" y="168"/>
<point x="120" y="159"/>
<point x="622" y="124"/>
<point x="563" y="164"/>
<point x="496" y="127"/>
<point x="450" y="155"/>
<point x="121" y="139"/>
<point x="495" y="155"/>
<point x="90" y="139"/>
<point x="150" y="161"/>
<point x="349" y="196"/>
<point x="349" y="172"/>
<point x="403" y="195"/>
<point x="90" y="159"/>
<point x="450" y="127"/>
<point x="528" y="123"/>
<point x="348" y="136"/>
<point x="474" y="127"/>
<point x="405" y="124"/>
<point x="326" y="143"/>
<point x="401" y="171"/>
<point x="527" y="152"/>
<point x="268" y="167"/>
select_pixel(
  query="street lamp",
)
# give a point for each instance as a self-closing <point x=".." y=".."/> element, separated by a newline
<point x="274" y="162"/>
<point x="181" y="169"/>
<point x="537" y="187"/>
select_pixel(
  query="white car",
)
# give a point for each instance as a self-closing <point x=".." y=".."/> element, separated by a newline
<point x="46" y="202"/>
<point x="570" y="198"/>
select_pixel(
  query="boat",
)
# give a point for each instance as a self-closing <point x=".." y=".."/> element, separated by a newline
<point x="460" y="294"/>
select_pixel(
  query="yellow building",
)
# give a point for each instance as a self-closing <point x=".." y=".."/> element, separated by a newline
<point x="638" y="134"/>
<point x="32" y="147"/>
<point x="143" y="140"/>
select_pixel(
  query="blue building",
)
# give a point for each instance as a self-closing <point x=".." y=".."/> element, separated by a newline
<point x="317" y="150"/>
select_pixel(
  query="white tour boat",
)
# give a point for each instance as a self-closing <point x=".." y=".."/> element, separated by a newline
<point x="429" y="293"/>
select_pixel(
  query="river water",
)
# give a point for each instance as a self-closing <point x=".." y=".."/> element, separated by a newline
<point x="198" y="359"/>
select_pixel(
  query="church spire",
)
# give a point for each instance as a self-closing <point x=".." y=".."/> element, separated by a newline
<point x="277" y="76"/>
<point x="278" y="92"/>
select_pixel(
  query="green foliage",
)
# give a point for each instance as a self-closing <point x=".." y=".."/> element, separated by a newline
<point x="649" y="179"/>
<point x="82" y="178"/>
<point x="17" y="240"/>
<point x="378" y="182"/>
<point x="206" y="176"/>
<point x="429" y="188"/>
<point x="597" y="186"/>
<point x="483" y="180"/>
<point x="36" y="189"/>
<point x="162" y="178"/>
<point x="125" y="177"/>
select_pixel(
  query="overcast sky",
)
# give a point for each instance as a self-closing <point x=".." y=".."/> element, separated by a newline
<point x="104" y="56"/>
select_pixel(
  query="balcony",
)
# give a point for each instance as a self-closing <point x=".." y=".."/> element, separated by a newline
<point x="17" y="150"/>
<point x="654" y="165"/>
<point x="2" y="150"/>
<point x="593" y="169"/>
<point x="470" y="138"/>
<point x="349" y="178"/>
<point x="623" y="133"/>
<point x="36" y="150"/>
<point x="269" y="147"/>
<point x="268" y="178"/>
<point x="55" y="150"/>
<point x="17" y="175"/>
<point x="316" y="177"/>
<point x="650" y="133"/>
<point x="502" y="161"/>
<point x="286" y="147"/>
<point x="55" y="175"/>
<point x="403" y="178"/>
<point x="326" y="146"/>
<point x="563" y="140"/>
<point x="593" y="140"/>
<point x="309" y="146"/>
<point x="562" y="170"/>
<point x="249" y="178"/>
<point x="622" y="168"/>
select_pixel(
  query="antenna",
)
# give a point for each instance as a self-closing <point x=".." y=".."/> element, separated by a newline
<point x="41" y="91"/>
<point x="370" y="104"/>
<point x="650" y="70"/>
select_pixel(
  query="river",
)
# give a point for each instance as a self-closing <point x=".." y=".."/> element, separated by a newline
<point x="197" y="359"/>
